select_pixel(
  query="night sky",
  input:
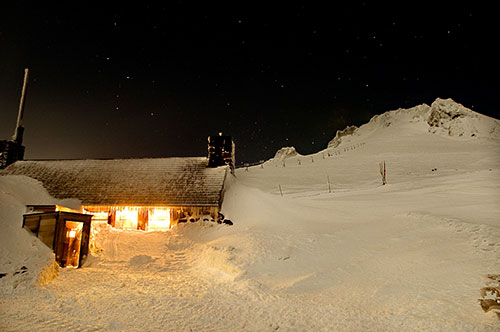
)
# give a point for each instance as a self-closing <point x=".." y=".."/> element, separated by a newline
<point x="154" y="80"/>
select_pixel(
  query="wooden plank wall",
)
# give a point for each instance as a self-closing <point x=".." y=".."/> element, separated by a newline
<point x="43" y="226"/>
<point x="47" y="229"/>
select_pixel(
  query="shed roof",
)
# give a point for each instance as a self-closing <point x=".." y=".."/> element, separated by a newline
<point x="133" y="182"/>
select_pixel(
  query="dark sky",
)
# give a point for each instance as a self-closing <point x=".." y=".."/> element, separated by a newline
<point x="154" y="80"/>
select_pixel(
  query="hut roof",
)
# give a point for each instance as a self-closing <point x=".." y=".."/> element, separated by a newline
<point x="132" y="182"/>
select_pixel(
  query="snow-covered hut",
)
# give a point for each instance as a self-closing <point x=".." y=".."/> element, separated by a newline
<point x="147" y="194"/>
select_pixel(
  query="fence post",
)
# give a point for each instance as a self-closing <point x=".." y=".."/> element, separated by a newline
<point x="383" y="172"/>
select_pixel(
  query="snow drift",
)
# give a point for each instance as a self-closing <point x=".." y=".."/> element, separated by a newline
<point x="24" y="259"/>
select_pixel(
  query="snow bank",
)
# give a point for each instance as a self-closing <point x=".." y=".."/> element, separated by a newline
<point x="24" y="259"/>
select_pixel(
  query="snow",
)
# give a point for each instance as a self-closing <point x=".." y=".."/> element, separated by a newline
<point x="408" y="256"/>
<point x="285" y="153"/>
<point x="24" y="260"/>
<point x="134" y="182"/>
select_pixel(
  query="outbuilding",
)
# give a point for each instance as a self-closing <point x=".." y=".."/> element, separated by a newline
<point x="67" y="233"/>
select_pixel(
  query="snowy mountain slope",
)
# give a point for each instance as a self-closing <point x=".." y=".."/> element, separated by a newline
<point x="395" y="136"/>
<point x="444" y="117"/>
<point x="418" y="247"/>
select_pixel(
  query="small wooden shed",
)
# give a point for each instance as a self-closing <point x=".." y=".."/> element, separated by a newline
<point x="67" y="233"/>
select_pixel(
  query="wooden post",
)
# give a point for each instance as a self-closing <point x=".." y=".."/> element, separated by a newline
<point x="383" y="172"/>
<point x="329" y="186"/>
<point x="18" y="135"/>
<point x="281" y="192"/>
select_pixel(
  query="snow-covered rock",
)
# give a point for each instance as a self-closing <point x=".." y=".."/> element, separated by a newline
<point x="453" y="119"/>
<point x="285" y="153"/>
<point x="350" y="130"/>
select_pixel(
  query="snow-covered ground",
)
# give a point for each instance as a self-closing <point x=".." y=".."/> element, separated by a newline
<point x="302" y="255"/>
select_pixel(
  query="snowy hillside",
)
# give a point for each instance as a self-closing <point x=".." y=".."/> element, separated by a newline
<point x="411" y="255"/>
<point x="318" y="244"/>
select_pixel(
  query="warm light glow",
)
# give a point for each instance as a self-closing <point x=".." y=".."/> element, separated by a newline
<point x="127" y="217"/>
<point x="65" y="209"/>
<point x="72" y="244"/>
<point x="98" y="217"/>
<point x="159" y="219"/>
<point x="132" y="217"/>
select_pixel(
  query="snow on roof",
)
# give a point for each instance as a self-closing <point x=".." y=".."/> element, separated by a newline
<point x="139" y="182"/>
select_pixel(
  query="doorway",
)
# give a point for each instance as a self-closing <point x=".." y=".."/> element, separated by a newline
<point x="72" y="244"/>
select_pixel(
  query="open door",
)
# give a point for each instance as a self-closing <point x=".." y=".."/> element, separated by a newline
<point x="72" y="244"/>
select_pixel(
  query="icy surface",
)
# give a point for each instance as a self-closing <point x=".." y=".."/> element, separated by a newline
<point x="408" y="256"/>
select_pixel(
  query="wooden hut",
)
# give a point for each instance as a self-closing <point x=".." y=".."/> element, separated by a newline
<point x="144" y="194"/>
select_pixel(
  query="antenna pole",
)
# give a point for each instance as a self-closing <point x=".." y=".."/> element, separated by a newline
<point x="18" y="134"/>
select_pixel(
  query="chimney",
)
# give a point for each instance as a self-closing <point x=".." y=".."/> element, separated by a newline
<point x="221" y="151"/>
<point x="13" y="150"/>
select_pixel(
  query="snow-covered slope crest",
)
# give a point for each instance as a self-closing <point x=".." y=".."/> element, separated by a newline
<point x="444" y="117"/>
